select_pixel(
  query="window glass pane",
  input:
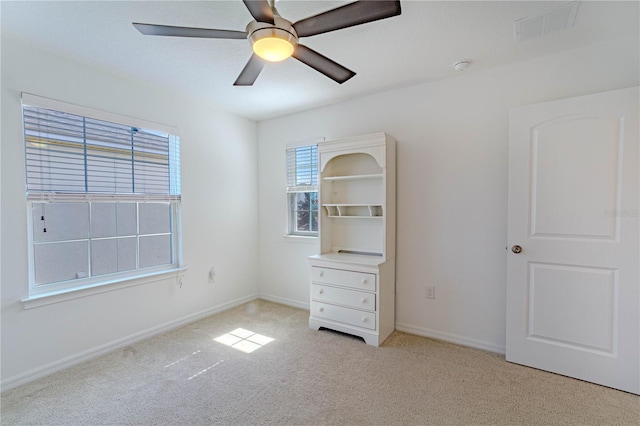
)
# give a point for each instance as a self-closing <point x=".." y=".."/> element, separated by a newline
<point x="113" y="219"/>
<point x="306" y="211"/>
<point x="126" y="253"/>
<point x="127" y="219"/>
<point x="113" y="255"/>
<point x="155" y="250"/>
<point x="155" y="218"/>
<point x="60" y="221"/>
<point x="103" y="220"/>
<point x="61" y="261"/>
<point x="104" y="257"/>
<point x="302" y="208"/>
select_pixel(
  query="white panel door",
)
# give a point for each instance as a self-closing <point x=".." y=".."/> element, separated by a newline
<point x="573" y="296"/>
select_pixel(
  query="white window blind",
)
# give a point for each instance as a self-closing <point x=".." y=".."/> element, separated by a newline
<point x="69" y="154"/>
<point x="302" y="168"/>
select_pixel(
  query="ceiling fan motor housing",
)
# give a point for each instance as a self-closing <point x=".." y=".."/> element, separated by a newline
<point x="281" y="32"/>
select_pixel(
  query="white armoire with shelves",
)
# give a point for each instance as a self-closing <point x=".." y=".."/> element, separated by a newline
<point x="353" y="277"/>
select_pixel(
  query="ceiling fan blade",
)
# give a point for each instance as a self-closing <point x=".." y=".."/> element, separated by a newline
<point x="260" y="10"/>
<point x="250" y="72"/>
<point x="349" y="15"/>
<point x="167" y="30"/>
<point x="322" y="64"/>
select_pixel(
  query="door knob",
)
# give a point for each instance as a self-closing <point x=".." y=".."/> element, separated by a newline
<point x="516" y="249"/>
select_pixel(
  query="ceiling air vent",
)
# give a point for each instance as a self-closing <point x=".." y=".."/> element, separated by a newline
<point x="558" y="18"/>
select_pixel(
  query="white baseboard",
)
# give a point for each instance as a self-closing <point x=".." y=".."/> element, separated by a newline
<point x="408" y="328"/>
<point x="72" y="360"/>
<point x="284" y="301"/>
<point x="452" y="338"/>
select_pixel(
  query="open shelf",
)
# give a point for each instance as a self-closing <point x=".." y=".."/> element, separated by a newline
<point x="354" y="177"/>
<point x="361" y="211"/>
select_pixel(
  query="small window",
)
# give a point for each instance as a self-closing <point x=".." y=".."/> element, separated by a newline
<point x="302" y="190"/>
<point x="104" y="196"/>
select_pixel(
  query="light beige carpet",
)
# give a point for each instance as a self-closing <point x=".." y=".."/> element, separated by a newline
<point x="185" y="377"/>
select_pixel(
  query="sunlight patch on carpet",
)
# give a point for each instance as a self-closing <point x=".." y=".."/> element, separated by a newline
<point x="243" y="340"/>
<point x="184" y="358"/>
<point x="206" y="369"/>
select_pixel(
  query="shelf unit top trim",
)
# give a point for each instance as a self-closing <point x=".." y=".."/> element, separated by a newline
<point x="354" y="142"/>
<point x="374" y="145"/>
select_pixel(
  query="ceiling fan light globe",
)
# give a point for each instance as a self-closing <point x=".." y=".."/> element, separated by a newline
<point x="273" y="49"/>
<point x="273" y="44"/>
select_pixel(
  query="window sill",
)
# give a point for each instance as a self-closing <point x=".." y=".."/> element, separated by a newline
<point x="56" y="296"/>
<point x="301" y="239"/>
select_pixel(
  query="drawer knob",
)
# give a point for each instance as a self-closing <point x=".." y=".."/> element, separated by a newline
<point x="364" y="281"/>
<point x="321" y="309"/>
<point x="364" y="300"/>
<point x="364" y="319"/>
<point x="320" y="291"/>
<point x="321" y="273"/>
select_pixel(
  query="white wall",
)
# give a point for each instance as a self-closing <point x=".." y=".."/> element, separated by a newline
<point x="219" y="222"/>
<point x="452" y="188"/>
<point x="452" y="185"/>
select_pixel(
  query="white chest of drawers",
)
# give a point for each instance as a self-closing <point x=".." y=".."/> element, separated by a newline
<point x="344" y="296"/>
<point x="353" y="297"/>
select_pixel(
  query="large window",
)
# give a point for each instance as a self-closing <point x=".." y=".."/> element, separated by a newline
<point x="302" y="190"/>
<point x="103" y="194"/>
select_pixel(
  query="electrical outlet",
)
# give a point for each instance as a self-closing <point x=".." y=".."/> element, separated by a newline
<point x="430" y="292"/>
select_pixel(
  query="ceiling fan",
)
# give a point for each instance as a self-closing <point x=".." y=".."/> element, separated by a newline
<point x="274" y="39"/>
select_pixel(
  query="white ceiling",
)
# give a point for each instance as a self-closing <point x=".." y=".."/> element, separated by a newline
<point x="418" y="46"/>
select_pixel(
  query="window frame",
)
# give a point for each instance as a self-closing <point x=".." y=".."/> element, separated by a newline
<point x="61" y="290"/>
<point x="294" y="188"/>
